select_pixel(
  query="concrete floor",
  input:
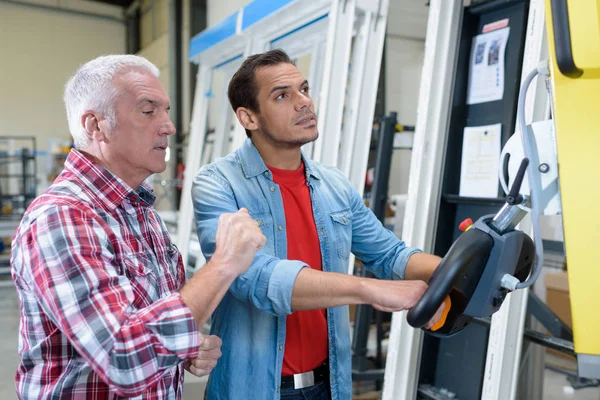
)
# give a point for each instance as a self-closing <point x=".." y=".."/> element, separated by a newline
<point x="9" y="330"/>
<point x="556" y="385"/>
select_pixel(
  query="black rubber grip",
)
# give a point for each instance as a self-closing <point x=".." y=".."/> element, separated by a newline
<point x="468" y="246"/>
<point x="562" y="39"/>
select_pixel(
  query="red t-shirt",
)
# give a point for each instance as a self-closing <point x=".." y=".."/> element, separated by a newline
<point x="306" y="344"/>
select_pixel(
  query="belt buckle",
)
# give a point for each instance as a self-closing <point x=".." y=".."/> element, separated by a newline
<point x="303" y="380"/>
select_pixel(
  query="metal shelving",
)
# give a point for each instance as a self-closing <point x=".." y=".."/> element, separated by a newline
<point x="18" y="183"/>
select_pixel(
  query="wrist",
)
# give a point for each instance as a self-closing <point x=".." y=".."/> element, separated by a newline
<point x="421" y="266"/>
<point x="364" y="291"/>
<point x="223" y="268"/>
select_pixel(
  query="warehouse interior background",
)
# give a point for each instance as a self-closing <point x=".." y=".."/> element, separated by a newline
<point x="42" y="43"/>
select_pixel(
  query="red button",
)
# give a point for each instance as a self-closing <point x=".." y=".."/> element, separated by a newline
<point x="466" y="224"/>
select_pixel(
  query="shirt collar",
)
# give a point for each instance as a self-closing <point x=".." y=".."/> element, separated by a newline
<point x="253" y="164"/>
<point x="106" y="187"/>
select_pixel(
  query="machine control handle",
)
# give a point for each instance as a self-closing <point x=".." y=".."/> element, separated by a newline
<point x="562" y="39"/>
<point x="514" y="197"/>
<point x="469" y="246"/>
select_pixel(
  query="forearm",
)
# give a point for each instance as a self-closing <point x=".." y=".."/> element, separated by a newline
<point x="135" y="348"/>
<point x="203" y="293"/>
<point x="420" y="266"/>
<point x="316" y="289"/>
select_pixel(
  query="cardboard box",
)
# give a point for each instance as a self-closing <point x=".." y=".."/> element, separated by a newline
<point x="557" y="296"/>
<point x="352" y="310"/>
<point x="367" y="396"/>
<point x="558" y="300"/>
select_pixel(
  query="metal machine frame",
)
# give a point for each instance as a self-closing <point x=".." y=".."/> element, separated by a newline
<point x="507" y="326"/>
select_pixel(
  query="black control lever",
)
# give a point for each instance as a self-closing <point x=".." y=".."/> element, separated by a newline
<point x="514" y="197"/>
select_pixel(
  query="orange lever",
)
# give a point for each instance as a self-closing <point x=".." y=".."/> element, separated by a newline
<point x="442" y="319"/>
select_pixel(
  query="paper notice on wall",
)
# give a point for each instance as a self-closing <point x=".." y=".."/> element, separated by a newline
<point x="486" y="69"/>
<point x="480" y="161"/>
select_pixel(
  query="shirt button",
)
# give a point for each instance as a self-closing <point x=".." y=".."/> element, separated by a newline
<point x="278" y="388"/>
<point x="280" y="227"/>
<point x="280" y="347"/>
<point x="272" y="188"/>
<point x="266" y="173"/>
<point x="344" y="219"/>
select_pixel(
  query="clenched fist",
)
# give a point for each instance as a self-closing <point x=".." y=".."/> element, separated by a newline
<point x="210" y="352"/>
<point x="237" y="241"/>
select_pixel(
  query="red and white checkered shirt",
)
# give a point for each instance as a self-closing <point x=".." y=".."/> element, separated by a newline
<point x="97" y="276"/>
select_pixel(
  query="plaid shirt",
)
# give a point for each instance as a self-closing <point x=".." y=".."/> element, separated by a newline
<point x="97" y="277"/>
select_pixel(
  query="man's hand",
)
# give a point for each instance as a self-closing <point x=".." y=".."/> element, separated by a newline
<point x="210" y="352"/>
<point x="391" y="296"/>
<point x="238" y="239"/>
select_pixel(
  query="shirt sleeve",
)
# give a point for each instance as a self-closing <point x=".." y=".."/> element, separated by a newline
<point x="376" y="247"/>
<point x="83" y="290"/>
<point x="269" y="281"/>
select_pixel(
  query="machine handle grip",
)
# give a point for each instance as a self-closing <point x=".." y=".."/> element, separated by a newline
<point x="562" y="39"/>
<point x="468" y="246"/>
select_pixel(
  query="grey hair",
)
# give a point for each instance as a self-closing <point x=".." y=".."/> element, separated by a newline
<point x="91" y="88"/>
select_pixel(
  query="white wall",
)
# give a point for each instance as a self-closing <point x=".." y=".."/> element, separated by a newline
<point x="404" y="62"/>
<point x="154" y="36"/>
<point x="218" y="10"/>
<point x="405" y="48"/>
<point x="39" y="51"/>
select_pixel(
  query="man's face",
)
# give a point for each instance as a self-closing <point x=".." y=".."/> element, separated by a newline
<point x="286" y="111"/>
<point x="137" y="145"/>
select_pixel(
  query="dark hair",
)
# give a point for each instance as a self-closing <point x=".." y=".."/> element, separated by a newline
<point x="243" y="90"/>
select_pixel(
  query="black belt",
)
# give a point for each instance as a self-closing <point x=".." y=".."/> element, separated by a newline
<point x="306" y="379"/>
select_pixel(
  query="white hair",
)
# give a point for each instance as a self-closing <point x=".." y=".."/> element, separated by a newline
<point x="92" y="88"/>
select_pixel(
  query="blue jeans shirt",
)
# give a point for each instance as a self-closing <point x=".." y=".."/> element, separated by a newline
<point x="251" y="318"/>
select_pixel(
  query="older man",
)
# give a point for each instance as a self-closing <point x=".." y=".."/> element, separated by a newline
<point x="104" y="309"/>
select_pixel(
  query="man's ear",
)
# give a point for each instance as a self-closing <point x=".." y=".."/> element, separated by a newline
<point x="94" y="125"/>
<point x="247" y="118"/>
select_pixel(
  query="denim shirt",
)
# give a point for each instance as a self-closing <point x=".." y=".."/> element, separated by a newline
<point x="251" y="318"/>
